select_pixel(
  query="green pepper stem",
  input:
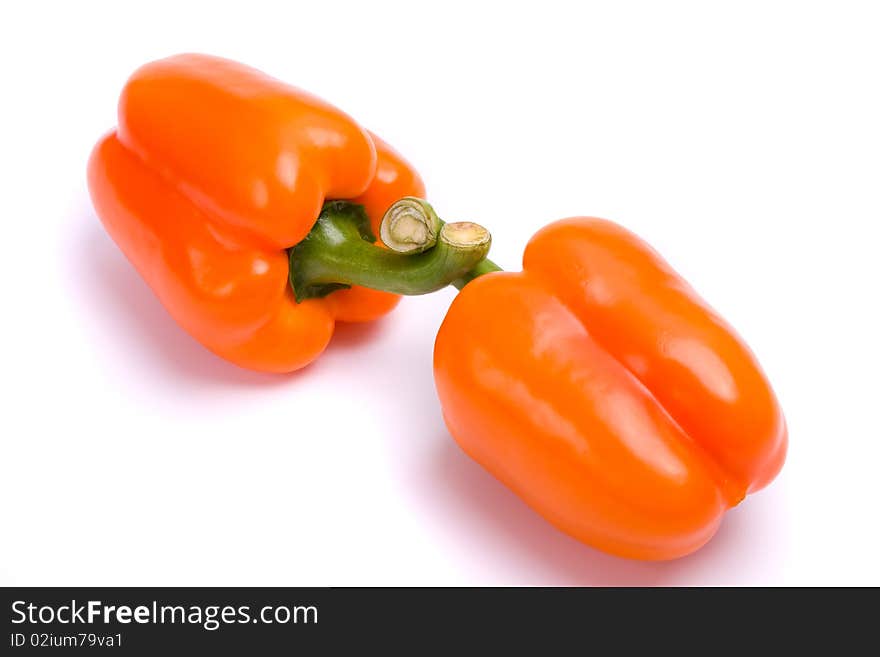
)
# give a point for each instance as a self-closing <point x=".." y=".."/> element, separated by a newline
<point x="339" y="252"/>
<point x="411" y="225"/>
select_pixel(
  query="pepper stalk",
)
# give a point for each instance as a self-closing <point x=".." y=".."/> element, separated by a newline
<point x="424" y="254"/>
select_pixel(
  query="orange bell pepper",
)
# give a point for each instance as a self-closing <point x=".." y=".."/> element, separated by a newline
<point x="217" y="170"/>
<point x="600" y="388"/>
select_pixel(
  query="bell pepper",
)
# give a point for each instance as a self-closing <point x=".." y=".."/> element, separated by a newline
<point x="606" y="393"/>
<point x="250" y="208"/>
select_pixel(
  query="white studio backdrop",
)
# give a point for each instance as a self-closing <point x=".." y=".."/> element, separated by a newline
<point x="740" y="139"/>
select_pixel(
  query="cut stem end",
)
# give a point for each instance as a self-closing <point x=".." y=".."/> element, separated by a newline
<point x="465" y="235"/>
<point x="410" y="225"/>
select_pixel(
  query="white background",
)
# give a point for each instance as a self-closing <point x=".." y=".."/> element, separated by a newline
<point x="741" y="139"/>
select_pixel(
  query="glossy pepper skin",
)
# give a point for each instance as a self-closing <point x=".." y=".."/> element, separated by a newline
<point x="599" y="387"/>
<point x="214" y="171"/>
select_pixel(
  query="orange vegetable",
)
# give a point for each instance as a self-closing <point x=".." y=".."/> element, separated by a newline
<point x="600" y="388"/>
<point x="214" y="172"/>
